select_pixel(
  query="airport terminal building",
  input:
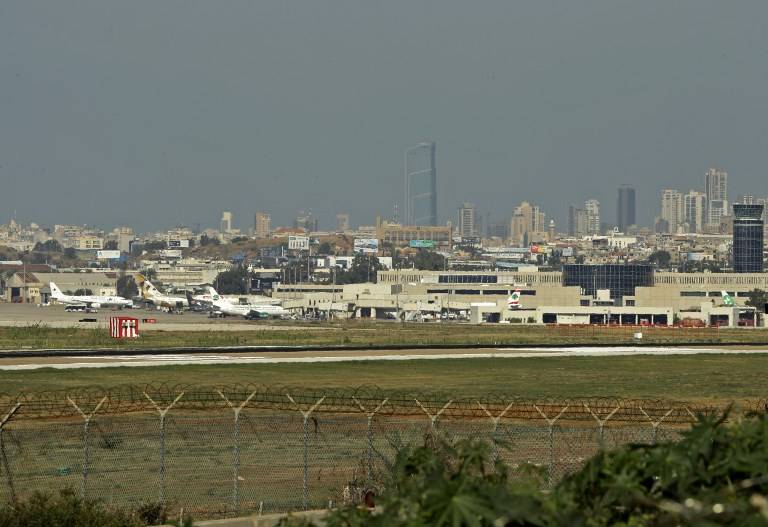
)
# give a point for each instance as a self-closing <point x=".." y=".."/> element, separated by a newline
<point x="582" y="294"/>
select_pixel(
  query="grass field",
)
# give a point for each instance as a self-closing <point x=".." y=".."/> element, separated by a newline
<point x="719" y="378"/>
<point x="356" y="334"/>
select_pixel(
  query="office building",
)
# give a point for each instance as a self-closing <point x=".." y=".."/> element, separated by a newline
<point x="625" y="208"/>
<point x="421" y="185"/>
<point x="694" y="207"/>
<point x="467" y="226"/>
<point x="716" y="189"/>
<point x="748" y="238"/>
<point x="262" y="225"/>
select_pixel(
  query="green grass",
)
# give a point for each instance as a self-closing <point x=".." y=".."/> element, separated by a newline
<point x="356" y="334"/>
<point x="693" y="378"/>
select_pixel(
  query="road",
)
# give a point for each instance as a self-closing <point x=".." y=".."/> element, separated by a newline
<point x="271" y="357"/>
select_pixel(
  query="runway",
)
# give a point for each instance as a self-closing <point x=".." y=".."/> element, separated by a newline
<point x="274" y="357"/>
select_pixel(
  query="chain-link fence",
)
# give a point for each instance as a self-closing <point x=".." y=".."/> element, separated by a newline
<point x="240" y="449"/>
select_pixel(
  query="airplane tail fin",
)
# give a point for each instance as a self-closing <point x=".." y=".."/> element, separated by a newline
<point x="513" y="302"/>
<point x="55" y="291"/>
<point x="214" y="295"/>
<point x="727" y="299"/>
<point x="145" y="286"/>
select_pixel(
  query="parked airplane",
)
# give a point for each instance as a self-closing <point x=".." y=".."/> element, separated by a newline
<point x="154" y="296"/>
<point x="92" y="301"/>
<point x="227" y="307"/>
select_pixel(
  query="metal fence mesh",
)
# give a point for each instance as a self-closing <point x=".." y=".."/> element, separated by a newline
<point x="228" y="452"/>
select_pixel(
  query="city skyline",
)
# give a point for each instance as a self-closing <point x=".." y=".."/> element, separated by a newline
<point x="169" y="122"/>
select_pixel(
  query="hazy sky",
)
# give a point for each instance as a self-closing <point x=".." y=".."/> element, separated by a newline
<point x="158" y="112"/>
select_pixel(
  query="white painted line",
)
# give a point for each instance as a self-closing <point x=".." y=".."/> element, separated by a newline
<point x="166" y="360"/>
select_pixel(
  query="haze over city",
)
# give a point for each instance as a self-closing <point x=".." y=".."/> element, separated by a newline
<point x="155" y="114"/>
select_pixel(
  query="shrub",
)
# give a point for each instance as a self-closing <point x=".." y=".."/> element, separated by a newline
<point x="716" y="475"/>
<point x="65" y="510"/>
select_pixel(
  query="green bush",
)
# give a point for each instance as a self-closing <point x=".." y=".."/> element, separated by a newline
<point x="716" y="475"/>
<point x="66" y="510"/>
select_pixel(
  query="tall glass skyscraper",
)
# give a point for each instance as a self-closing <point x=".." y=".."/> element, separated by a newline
<point x="421" y="185"/>
<point x="625" y="208"/>
<point x="748" y="238"/>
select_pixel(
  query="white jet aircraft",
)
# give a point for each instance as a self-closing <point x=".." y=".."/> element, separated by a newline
<point x="92" y="301"/>
<point x="226" y="307"/>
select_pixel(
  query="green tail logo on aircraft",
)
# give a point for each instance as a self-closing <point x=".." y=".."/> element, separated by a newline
<point x="727" y="299"/>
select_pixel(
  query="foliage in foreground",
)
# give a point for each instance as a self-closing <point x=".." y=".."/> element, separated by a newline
<point x="717" y="475"/>
<point x="66" y="510"/>
<point x="69" y="510"/>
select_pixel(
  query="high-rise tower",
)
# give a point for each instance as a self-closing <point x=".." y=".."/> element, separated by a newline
<point x="421" y="185"/>
<point x="467" y="220"/>
<point x="625" y="207"/>
<point x="716" y="189"/>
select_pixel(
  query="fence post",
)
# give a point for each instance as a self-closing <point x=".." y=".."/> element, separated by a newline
<point x="433" y="418"/>
<point x="655" y="424"/>
<point x="305" y="415"/>
<point x="162" y="412"/>
<point x="601" y="424"/>
<point x="6" y="465"/>
<point x="494" y="433"/>
<point x="86" y="441"/>
<point x="236" y="451"/>
<point x="551" y="435"/>
<point x="371" y="415"/>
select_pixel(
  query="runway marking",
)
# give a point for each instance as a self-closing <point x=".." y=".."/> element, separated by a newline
<point x="506" y="353"/>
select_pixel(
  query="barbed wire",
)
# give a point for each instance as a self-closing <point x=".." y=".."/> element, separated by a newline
<point x="135" y="398"/>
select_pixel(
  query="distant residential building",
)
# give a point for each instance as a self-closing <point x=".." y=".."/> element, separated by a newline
<point x="625" y="208"/>
<point x="578" y="222"/>
<point x="748" y="238"/>
<point x="497" y="230"/>
<point x="305" y="220"/>
<point x="262" y="225"/>
<point x="592" y="206"/>
<point x="528" y="223"/>
<point x="694" y="209"/>
<point x="86" y="243"/>
<point x="402" y="235"/>
<point x="716" y="189"/>
<point x="467" y="226"/>
<point x="226" y="222"/>
<point x="342" y="222"/>
<point x="124" y="237"/>
<point x="672" y="210"/>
